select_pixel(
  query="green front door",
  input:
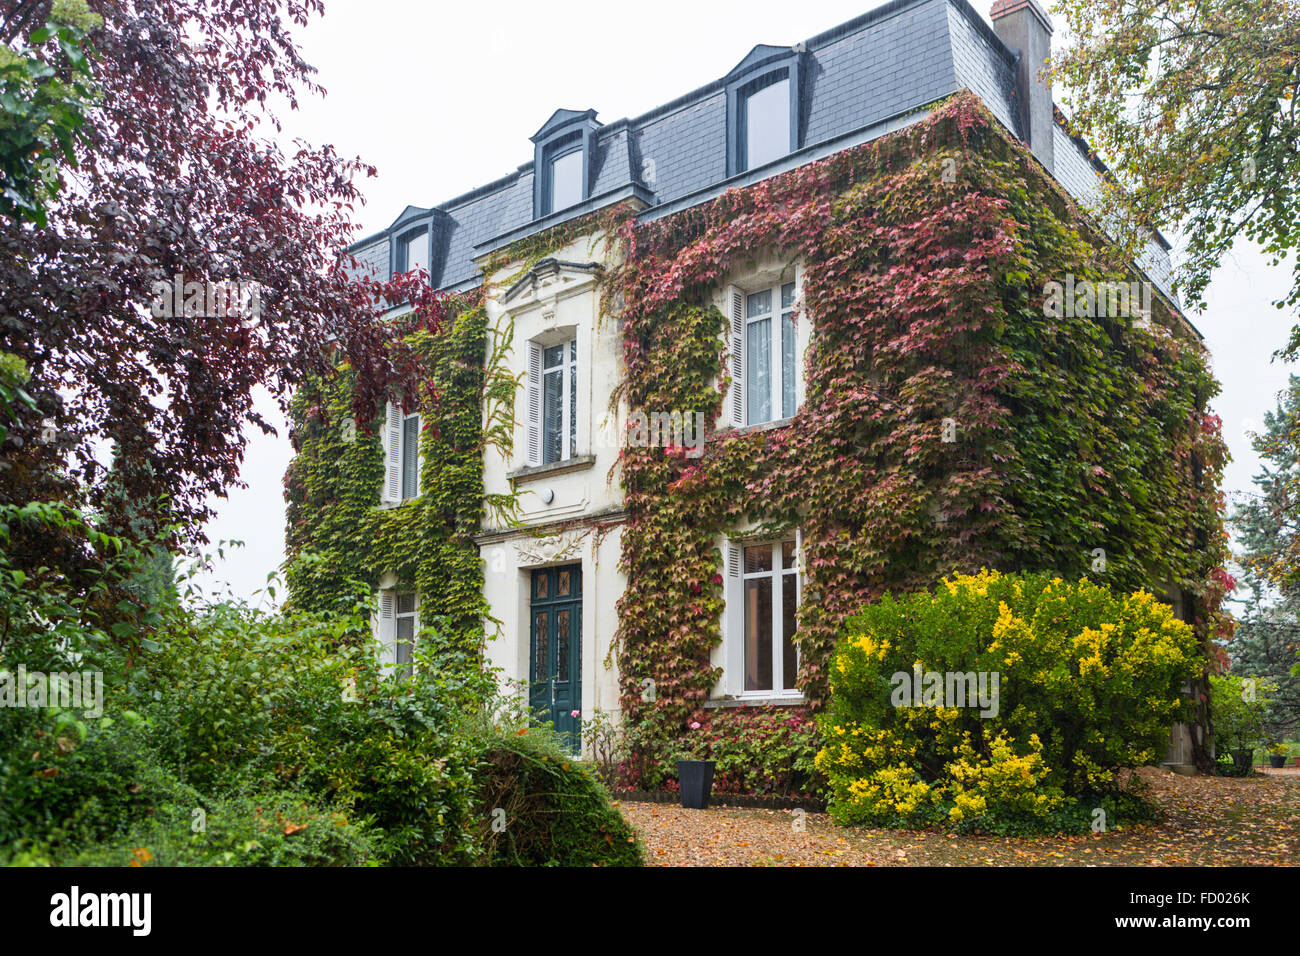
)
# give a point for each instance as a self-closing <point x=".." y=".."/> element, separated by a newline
<point x="555" y="649"/>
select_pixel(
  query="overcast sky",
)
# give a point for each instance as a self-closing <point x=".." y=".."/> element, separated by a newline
<point x="442" y="98"/>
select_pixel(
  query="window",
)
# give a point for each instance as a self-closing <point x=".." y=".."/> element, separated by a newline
<point x="404" y="642"/>
<point x="566" y="180"/>
<point x="397" y="626"/>
<point x="401" y="456"/>
<point x="763" y="601"/>
<point x="765" y="120"/>
<point x="414" y="252"/>
<point x="415" y="243"/>
<point x="410" y="456"/>
<point x="563" y="160"/>
<point x="553" y="402"/>
<point x="763" y="114"/>
<point x="764" y="355"/>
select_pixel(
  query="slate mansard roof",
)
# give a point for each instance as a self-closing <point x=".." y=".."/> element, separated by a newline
<point x="859" y="80"/>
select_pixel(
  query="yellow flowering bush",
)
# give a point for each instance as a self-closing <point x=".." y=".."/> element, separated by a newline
<point x="1001" y="702"/>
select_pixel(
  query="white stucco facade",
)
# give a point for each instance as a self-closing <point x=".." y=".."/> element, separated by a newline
<point x="570" y="511"/>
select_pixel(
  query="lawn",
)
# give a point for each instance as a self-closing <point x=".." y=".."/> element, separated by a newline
<point x="1208" y="821"/>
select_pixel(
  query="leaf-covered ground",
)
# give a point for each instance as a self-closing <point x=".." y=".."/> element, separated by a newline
<point x="1208" y="821"/>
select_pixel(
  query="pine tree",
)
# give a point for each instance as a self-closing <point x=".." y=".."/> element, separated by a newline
<point x="1267" y="641"/>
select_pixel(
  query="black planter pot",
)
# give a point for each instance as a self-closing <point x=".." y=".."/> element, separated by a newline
<point x="1277" y="761"/>
<point x="696" y="778"/>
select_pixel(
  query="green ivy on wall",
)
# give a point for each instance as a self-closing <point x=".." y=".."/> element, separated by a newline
<point x="340" y="540"/>
<point x="925" y="256"/>
<point x="444" y="361"/>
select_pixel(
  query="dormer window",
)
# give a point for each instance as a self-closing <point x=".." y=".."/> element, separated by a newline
<point x="564" y="174"/>
<point x="763" y="108"/>
<point x="413" y="251"/>
<point x="415" y="242"/>
<point x="765" y="120"/>
<point x="562" y="161"/>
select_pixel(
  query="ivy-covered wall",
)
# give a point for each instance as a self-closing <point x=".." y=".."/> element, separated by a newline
<point x="339" y="537"/>
<point x="444" y="360"/>
<point x="925" y="256"/>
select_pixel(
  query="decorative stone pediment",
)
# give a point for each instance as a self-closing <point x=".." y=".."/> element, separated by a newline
<point x="548" y="280"/>
<point x="548" y="550"/>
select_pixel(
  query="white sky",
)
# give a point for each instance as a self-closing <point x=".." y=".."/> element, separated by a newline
<point x="442" y="98"/>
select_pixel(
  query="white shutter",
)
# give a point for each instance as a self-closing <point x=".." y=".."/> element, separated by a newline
<point x="737" y="301"/>
<point x="393" y="455"/>
<point x="733" y="677"/>
<point x="386" y="630"/>
<point x="533" y="440"/>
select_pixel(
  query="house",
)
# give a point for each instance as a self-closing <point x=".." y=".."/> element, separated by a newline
<point x="618" y="585"/>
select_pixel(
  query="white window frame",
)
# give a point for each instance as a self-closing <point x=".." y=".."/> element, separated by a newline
<point x="734" y="661"/>
<point x="737" y="300"/>
<point x="747" y="124"/>
<point x="566" y="153"/>
<point x="386" y="625"/>
<point x="395" y="455"/>
<point x="570" y="417"/>
<point x="419" y="241"/>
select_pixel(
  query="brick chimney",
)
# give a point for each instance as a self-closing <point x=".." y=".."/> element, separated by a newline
<point x="1026" y="28"/>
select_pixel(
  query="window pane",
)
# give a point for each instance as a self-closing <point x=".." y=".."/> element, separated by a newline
<point x="553" y="357"/>
<point x="573" y="399"/>
<point x="552" y="416"/>
<point x="758" y="372"/>
<point x="787" y="296"/>
<point x="789" y="605"/>
<point x="758" y="634"/>
<point x="787" y="555"/>
<point x="410" y="456"/>
<point x="787" y="365"/>
<point x="566" y="180"/>
<point x="758" y="558"/>
<point x="541" y="668"/>
<point x="405" y="644"/>
<point x="406" y="604"/>
<point x="767" y="124"/>
<point x="758" y="305"/>
<point x="417" y="252"/>
<point x="562" y="623"/>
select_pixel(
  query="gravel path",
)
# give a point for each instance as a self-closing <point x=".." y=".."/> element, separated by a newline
<point x="1208" y="821"/>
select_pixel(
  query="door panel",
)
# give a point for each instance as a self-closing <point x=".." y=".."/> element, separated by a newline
<point x="555" y="649"/>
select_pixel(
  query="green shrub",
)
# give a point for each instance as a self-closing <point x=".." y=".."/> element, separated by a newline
<point x="537" y="805"/>
<point x="1087" y="684"/>
<point x="285" y="732"/>
<point x="412" y="785"/>
<point x="69" y="781"/>
<point x="1238" y="711"/>
<point x="264" y="829"/>
<point x="756" y="750"/>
